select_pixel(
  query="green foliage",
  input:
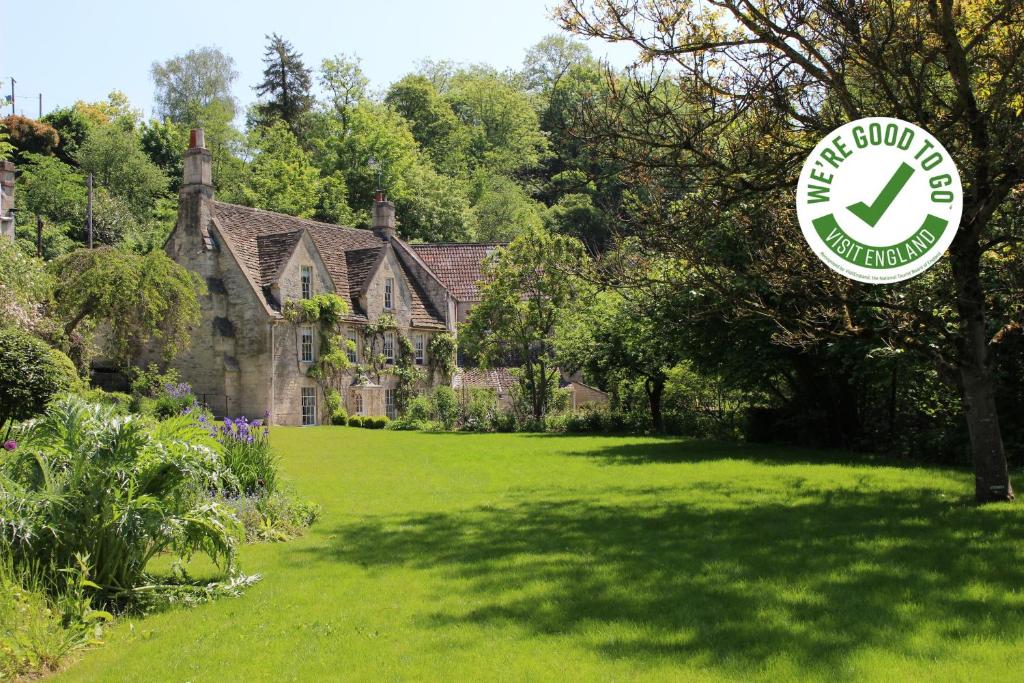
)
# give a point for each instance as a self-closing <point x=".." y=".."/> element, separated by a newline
<point x="527" y="286"/>
<point x="189" y="83"/>
<point x="84" y="482"/>
<point x="444" y="406"/>
<point x="343" y="79"/>
<point x="119" y="164"/>
<point x="442" y="350"/>
<point x="144" y="300"/>
<point x="282" y="177"/>
<point x="355" y="421"/>
<point x="272" y="517"/>
<point x="286" y="84"/>
<point x="247" y="455"/>
<point x="432" y="122"/>
<point x="71" y="126"/>
<point x="39" y="629"/>
<point x="24" y="288"/>
<point x="151" y="381"/>
<point x="33" y="373"/>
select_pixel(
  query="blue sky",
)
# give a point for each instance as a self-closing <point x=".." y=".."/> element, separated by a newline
<point x="82" y="50"/>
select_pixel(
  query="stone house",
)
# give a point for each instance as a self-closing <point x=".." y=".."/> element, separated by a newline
<point x="246" y="358"/>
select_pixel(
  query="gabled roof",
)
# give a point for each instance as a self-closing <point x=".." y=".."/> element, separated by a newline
<point x="499" y="379"/>
<point x="459" y="267"/>
<point x="262" y="241"/>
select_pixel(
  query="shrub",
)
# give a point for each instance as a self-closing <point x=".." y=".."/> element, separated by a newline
<point x="247" y="455"/>
<point x="445" y="406"/>
<point x="339" y="417"/>
<point x="83" y="480"/>
<point x="32" y="374"/>
<point x="176" y="399"/>
<point x="418" y="409"/>
<point x="151" y="383"/>
<point x="355" y="421"/>
<point x="118" y="402"/>
<point x="376" y="422"/>
<point x="39" y="630"/>
<point x="272" y="517"/>
<point x="480" y="410"/>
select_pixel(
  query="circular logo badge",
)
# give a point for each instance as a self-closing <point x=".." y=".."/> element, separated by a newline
<point x="879" y="200"/>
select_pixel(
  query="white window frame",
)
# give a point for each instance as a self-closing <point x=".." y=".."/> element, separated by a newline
<point x="357" y="403"/>
<point x="389" y="346"/>
<point x="306" y="350"/>
<point x="353" y="351"/>
<point x="307" y="398"/>
<point x="389" y="293"/>
<point x="306" y="277"/>
<point x="420" y="346"/>
<point x="389" y="404"/>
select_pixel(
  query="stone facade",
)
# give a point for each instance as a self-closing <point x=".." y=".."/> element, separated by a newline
<point x="246" y="358"/>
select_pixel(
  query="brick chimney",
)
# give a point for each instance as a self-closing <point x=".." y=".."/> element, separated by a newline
<point x="196" y="191"/>
<point x="7" y="199"/>
<point x="383" y="217"/>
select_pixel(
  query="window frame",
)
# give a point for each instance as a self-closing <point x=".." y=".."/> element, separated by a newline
<point x="307" y="399"/>
<point x="353" y="353"/>
<point x="390" y="410"/>
<point x="306" y="281"/>
<point x="389" y="294"/>
<point x="306" y="343"/>
<point x="389" y="346"/>
<point x="357" y="403"/>
<point x="420" y="349"/>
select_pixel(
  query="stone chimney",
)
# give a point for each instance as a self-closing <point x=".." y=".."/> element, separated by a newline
<point x="383" y="217"/>
<point x="7" y="199"/>
<point x="196" y="191"/>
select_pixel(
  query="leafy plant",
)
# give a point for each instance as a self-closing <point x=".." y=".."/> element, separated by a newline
<point x="32" y="373"/>
<point x="86" y="482"/>
<point x="247" y="455"/>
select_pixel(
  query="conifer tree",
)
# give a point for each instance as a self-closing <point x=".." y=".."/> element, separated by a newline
<point x="286" y="84"/>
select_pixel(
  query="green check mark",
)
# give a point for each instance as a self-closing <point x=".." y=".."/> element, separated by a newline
<point x="873" y="213"/>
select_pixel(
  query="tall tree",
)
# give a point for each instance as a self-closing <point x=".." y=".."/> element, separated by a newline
<point x="525" y="291"/>
<point x="281" y="176"/>
<point x="751" y="88"/>
<point x="189" y="83"/>
<point x="343" y="79"/>
<point x="286" y="83"/>
<point x="550" y="59"/>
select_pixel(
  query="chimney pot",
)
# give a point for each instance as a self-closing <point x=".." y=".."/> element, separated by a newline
<point x="383" y="217"/>
<point x="198" y="163"/>
<point x="197" y="139"/>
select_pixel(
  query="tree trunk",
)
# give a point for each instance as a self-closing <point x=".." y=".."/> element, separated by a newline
<point x="655" y="388"/>
<point x="991" y="474"/>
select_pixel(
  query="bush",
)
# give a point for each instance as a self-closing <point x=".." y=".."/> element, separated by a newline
<point x="445" y="406"/>
<point x="85" y="480"/>
<point x="480" y="410"/>
<point x="176" y="399"/>
<point x="151" y="383"/>
<point x="31" y="374"/>
<point x="117" y="401"/>
<point x="273" y="517"/>
<point x="247" y="455"/>
<point x="339" y="417"/>
<point x="38" y="630"/>
<point x="377" y="422"/>
<point x="419" y="409"/>
<point x="355" y="421"/>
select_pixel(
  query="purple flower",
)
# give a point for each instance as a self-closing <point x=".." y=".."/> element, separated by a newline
<point x="10" y="445"/>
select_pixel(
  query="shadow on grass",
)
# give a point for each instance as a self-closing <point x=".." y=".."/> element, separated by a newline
<point x="815" y="580"/>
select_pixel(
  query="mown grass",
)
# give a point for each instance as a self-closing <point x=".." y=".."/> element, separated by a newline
<point x="450" y="557"/>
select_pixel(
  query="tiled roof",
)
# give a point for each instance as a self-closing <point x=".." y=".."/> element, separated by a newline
<point x="499" y="379"/>
<point x="263" y="241"/>
<point x="457" y="266"/>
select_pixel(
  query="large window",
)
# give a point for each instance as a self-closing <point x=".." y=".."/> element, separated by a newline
<point x="357" y="403"/>
<point x="306" y="345"/>
<point x="353" y="347"/>
<point x="308" y="405"/>
<point x="389" y="404"/>
<point x="389" y="293"/>
<point x="389" y="346"/>
<point x="419" y="345"/>
<point x="307" y="281"/>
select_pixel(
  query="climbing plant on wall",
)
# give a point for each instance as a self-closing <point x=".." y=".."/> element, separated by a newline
<point x="332" y="363"/>
<point x="442" y="357"/>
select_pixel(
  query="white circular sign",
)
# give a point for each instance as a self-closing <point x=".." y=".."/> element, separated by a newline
<point x="879" y="200"/>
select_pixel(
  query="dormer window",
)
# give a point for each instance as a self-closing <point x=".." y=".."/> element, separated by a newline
<point x="389" y="293"/>
<point x="306" y="273"/>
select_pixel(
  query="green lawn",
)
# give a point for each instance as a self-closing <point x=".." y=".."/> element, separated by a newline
<point x="454" y="557"/>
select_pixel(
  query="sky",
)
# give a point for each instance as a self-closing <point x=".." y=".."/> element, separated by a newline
<point x="72" y="51"/>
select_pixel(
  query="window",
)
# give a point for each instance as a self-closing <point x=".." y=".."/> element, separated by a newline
<point x="389" y="293"/>
<point x="308" y="405"/>
<point x="307" y="282"/>
<point x="389" y="404"/>
<point x="389" y="346"/>
<point x="419" y="346"/>
<point x="306" y="345"/>
<point x="353" y="347"/>
<point x="357" y="403"/>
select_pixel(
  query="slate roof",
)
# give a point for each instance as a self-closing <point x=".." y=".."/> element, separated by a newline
<point x="499" y="379"/>
<point x="264" y="240"/>
<point x="457" y="266"/>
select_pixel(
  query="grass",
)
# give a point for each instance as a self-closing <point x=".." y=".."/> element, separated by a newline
<point x="450" y="557"/>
